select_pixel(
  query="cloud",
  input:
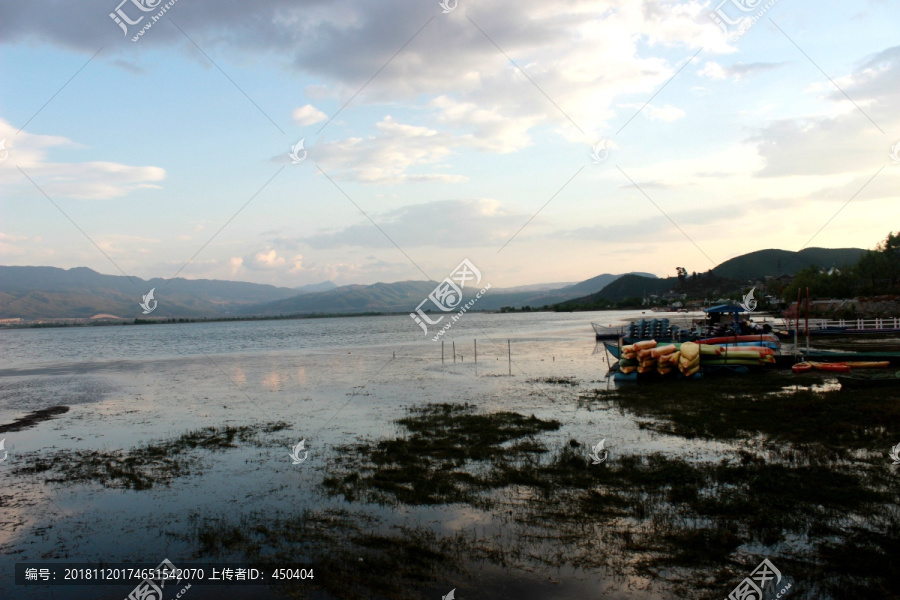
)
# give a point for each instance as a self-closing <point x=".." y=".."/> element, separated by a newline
<point x="843" y="141"/>
<point x="387" y="156"/>
<point x="663" y="113"/>
<point x="739" y="70"/>
<point x="573" y="61"/>
<point x="307" y="115"/>
<point x="442" y="223"/>
<point x="95" y="180"/>
<point x="268" y="260"/>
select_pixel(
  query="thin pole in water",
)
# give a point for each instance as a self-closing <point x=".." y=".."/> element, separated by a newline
<point x="509" y="354"/>
<point x="476" y="357"/>
<point x="454" y="351"/>
<point x="807" y="321"/>
<point x="442" y="351"/>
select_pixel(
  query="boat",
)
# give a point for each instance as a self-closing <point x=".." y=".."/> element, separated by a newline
<point x="604" y="332"/>
<point x="868" y="364"/>
<point x="869" y="380"/>
<point x="764" y="338"/>
<point x="830" y="367"/>
<point x="787" y="361"/>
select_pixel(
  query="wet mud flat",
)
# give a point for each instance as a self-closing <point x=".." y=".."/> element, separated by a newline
<point x="483" y="483"/>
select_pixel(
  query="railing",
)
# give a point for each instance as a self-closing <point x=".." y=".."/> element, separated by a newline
<point x="868" y="324"/>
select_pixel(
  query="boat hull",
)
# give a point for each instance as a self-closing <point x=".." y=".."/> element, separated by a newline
<point x="855" y="382"/>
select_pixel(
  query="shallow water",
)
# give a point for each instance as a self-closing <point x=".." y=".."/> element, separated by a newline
<point x="335" y="381"/>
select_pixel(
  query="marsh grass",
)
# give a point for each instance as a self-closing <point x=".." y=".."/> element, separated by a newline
<point x="352" y="555"/>
<point x="446" y="457"/>
<point x="570" y="380"/>
<point x="811" y="505"/>
<point x="142" y="467"/>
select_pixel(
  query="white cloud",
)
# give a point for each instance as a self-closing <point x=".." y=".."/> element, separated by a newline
<point x="387" y="156"/>
<point x="308" y="114"/>
<point x="664" y="113"/>
<point x="95" y="180"/>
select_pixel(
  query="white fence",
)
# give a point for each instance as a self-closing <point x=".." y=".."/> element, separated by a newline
<point x="868" y="324"/>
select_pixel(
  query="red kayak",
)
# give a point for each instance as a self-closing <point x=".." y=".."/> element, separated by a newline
<point x="760" y="337"/>
<point x="803" y="367"/>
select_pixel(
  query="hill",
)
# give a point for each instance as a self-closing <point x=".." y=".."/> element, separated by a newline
<point x="759" y="264"/>
<point x="625" y="287"/>
<point x="405" y="296"/>
<point x="595" y="284"/>
<point x="49" y="292"/>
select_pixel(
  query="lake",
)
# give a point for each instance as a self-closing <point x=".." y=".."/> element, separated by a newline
<point x="175" y="433"/>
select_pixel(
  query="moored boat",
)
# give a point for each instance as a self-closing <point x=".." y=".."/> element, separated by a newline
<point x="869" y="380"/>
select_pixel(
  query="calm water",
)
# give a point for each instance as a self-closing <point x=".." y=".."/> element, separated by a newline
<point x="33" y="347"/>
<point x="335" y="381"/>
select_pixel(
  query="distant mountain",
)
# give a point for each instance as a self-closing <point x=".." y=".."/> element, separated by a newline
<point x="538" y="287"/>
<point x="595" y="284"/>
<point x="405" y="296"/>
<point x="759" y="264"/>
<point x="49" y="292"/>
<point x="379" y="297"/>
<point x="315" y="287"/>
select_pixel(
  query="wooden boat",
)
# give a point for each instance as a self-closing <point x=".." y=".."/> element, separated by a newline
<point x="731" y="339"/>
<point x="868" y="364"/>
<point x="787" y="361"/>
<point x="831" y="367"/>
<point x="869" y="380"/>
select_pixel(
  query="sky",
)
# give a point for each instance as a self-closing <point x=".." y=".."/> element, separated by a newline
<point x="544" y="142"/>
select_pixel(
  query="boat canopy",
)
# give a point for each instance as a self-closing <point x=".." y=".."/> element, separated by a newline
<point x="725" y="308"/>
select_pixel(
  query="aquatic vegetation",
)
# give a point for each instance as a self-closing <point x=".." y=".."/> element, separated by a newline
<point x="354" y="554"/>
<point x="437" y="462"/>
<point x="570" y="380"/>
<point x="698" y="526"/>
<point x="141" y="467"/>
<point x="33" y="418"/>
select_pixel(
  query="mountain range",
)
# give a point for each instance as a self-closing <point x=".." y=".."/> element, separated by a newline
<point x="50" y="292"/>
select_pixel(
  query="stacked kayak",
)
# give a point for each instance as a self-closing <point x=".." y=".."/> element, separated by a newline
<point x="647" y="359"/>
